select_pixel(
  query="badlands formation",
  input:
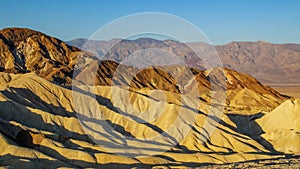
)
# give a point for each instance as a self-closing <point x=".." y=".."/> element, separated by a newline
<point x="52" y="118"/>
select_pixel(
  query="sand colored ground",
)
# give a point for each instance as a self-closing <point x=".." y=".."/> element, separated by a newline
<point x="38" y="121"/>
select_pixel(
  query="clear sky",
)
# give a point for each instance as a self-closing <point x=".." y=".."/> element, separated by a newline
<point x="223" y="21"/>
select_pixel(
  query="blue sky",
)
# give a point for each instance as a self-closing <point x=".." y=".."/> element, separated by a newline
<point x="222" y="21"/>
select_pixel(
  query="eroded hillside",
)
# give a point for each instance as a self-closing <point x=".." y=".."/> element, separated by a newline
<point x="104" y="114"/>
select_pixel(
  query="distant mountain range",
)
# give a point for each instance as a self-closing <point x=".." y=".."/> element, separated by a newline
<point x="269" y="63"/>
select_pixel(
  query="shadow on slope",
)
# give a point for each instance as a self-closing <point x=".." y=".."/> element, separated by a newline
<point x="26" y="97"/>
<point x="246" y="124"/>
<point x="17" y="110"/>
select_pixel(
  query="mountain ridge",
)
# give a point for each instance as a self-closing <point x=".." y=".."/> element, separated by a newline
<point x="260" y="59"/>
<point x="25" y="50"/>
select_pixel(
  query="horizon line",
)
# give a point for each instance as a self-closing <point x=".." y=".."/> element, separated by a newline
<point x="158" y="39"/>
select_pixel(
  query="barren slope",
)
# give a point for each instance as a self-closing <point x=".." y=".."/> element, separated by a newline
<point x="38" y="117"/>
<point x="24" y="50"/>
